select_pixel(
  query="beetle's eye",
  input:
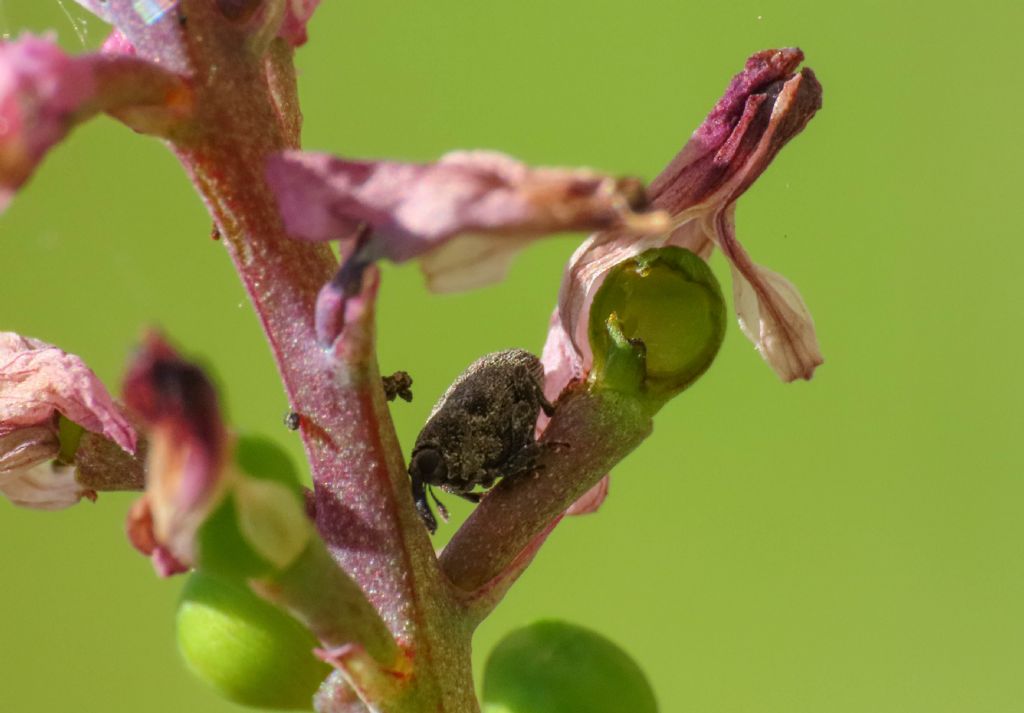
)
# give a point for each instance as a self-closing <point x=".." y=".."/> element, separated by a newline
<point x="427" y="462"/>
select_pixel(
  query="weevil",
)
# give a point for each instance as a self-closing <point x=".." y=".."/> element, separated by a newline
<point x="481" y="430"/>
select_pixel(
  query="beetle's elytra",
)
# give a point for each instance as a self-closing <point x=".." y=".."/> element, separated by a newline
<point x="481" y="430"/>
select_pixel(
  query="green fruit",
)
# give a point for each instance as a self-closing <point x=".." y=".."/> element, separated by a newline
<point x="663" y="310"/>
<point x="247" y="649"/>
<point x="555" y="667"/>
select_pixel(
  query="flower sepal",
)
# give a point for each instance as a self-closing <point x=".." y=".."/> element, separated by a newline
<point x="260" y="527"/>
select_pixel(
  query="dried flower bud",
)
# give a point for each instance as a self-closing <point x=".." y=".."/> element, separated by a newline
<point x="46" y="398"/>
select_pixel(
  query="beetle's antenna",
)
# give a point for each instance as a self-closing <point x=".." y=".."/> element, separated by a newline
<point x="441" y="509"/>
<point x="419" y="498"/>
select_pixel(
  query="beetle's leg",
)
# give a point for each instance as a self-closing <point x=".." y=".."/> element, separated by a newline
<point x="546" y="406"/>
<point x="419" y="497"/>
<point x="441" y="509"/>
<point x="464" y="494"/>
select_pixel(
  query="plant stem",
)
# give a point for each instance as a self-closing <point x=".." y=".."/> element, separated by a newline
<point x="244" y="110"/>
<point x="600" y="428"/>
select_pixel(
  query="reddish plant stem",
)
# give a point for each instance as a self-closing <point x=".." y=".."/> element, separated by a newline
<point x="244" y="110"/>
<point x="600" y="428"/>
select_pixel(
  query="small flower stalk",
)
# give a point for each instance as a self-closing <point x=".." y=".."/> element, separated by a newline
<point x="342" y="580"/>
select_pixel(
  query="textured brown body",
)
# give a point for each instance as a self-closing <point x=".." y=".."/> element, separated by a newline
<point x="481" y="430"/>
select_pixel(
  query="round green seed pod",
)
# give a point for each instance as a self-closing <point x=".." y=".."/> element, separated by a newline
<point x="556" y="667"/>
<point x="656" y="324"/>
<point x="251" y="652"/>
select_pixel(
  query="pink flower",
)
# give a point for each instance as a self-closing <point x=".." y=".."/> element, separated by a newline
<point x="38" y="383"/>
<point x="764" y="106"/>
<point x="44" y="93"/>
<point x="464" y="216"/>
<point x="187" y="453"/>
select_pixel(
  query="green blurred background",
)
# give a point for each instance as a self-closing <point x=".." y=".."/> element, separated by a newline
<point x="848" y="545"/>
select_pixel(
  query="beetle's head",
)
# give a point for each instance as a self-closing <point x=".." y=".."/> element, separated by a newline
<point x="428" y="466"/>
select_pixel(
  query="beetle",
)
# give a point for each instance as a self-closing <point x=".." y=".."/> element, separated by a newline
<point x="481" y="430"/>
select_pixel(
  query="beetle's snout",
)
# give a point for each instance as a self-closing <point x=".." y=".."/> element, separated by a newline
<point x="429" y="466"/>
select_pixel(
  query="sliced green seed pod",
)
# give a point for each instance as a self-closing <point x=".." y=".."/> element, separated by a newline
<point x="557" y="667"/>
<point x="656" y="324"/>
<point x="248" y="650"/>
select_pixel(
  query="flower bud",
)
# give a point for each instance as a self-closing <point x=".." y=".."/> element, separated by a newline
<point x="247" y="649"/>
<point x="656" y="324"/>
<point x="554" y="667"/>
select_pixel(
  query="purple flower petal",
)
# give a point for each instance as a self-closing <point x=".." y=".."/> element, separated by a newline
<point x="464" y="215"/>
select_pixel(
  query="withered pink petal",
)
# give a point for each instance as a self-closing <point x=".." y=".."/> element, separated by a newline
<point x="717" y="148"/>
<point x="139" y="529"/>
<point x="296" y="16"/>
<point x="771" y="312"/>
<point x="41" y="89"/>
<point x="38" y="380"/>
<point x="44" y="93"/>
<point x="495" y="202"/>
<point x="186" y="476"/>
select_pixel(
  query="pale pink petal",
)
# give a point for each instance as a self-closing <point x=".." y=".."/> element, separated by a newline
<point x="469" y="261"/>
<point x="771" y="313"/>
<point x="415" y="209"/>
<point x="44" y="93"/>
<point x="38" y="380"/>
<point x="46" y="486"/>
<point x="562" y="362"/>
<point x="186" y="476"/>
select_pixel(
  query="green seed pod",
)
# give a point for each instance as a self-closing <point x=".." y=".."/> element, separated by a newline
<point x="248" y="650"/>
<point x="555" y="667"/>
<point x="656" y="324"/>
